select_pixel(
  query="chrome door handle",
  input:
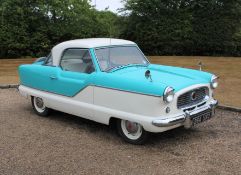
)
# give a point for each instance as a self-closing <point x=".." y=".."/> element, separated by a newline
<point x="53" y="78"/>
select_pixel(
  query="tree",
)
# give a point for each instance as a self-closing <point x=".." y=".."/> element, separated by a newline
<point x="215" y="24"/>
<point x="184" y="27"/>
<point x="32" y="27"/>
<point x="109" y="24"/>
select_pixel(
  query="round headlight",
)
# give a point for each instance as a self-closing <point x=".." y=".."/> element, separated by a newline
<point x="168" y="95"/>
<point x="214" y="82"/>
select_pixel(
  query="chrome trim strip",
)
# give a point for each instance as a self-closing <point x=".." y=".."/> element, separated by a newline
<point x="127" y="91"/>
<point x="95" y="86"/>
<point x="169" y="121"/>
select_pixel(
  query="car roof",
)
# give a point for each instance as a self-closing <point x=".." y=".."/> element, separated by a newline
<point x="85" y="43"/>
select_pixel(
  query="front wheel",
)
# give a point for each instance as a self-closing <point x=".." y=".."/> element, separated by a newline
<point x="132" y="132"/>
<point x="39" y="106"/>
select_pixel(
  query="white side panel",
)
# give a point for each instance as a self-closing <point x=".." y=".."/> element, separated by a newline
<point x="100" y="104"/>
<point x="87" y="95"/>
<point x="137" y="107"/>
<point x="133" y="103"/>
<point x="79" y="105"/>
<point x="128" y="102"/>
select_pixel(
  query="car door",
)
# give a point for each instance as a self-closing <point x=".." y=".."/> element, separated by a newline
<point x="72" y="79"/>
<point x="76" y="72"/>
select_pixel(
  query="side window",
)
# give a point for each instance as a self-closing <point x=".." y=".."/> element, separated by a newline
<point x="77" y="60"/>
<point x="49" y="61"/>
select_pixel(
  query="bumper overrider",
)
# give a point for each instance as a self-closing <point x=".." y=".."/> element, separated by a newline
<point x="188" y="118"/>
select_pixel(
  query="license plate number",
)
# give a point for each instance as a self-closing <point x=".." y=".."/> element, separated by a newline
<point x="201" y="118"/>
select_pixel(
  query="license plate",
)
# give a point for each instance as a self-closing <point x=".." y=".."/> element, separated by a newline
<point x="201" y="118"/>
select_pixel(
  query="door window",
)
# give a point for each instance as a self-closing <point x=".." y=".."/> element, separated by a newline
<point x="77" y="60"/>
<point x="49" y="60"/>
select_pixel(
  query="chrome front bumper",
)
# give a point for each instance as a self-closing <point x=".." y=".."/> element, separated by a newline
<point x="185" y="118"/>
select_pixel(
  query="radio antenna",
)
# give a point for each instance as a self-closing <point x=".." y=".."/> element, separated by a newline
<point x="109" y="40"/>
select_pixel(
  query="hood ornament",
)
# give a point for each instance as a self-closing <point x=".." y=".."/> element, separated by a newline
<point x="200" y="64"/>
<point x="148" y="75"/>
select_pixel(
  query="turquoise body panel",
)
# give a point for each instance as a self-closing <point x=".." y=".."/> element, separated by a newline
<point x="43" y="78"/>
<point x="131" y="78"/>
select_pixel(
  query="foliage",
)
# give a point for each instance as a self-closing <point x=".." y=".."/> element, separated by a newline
<point x="160" y="27"/>
<point x="32" y="27"/>
<point x="184" y="27"/>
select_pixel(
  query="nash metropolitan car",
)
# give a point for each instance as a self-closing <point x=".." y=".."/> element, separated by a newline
<point x="111" y="81"/>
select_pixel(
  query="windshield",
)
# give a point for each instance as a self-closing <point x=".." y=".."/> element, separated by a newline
<point x="113" y="57"/>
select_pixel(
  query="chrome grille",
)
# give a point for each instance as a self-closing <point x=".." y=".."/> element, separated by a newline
<point x="192" y="97"/>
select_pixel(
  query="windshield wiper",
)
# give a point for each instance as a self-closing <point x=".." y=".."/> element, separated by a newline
<point x="124" y="66"/>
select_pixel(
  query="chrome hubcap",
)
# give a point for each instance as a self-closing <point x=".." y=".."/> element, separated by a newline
<point x="131" y="130"/>
<point x="131" y="127"/>
<point x="39" y="102"/>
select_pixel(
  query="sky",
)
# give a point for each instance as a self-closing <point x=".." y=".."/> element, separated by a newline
<point x="112" y="4"/>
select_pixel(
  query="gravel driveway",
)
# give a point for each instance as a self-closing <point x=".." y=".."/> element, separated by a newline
<point x="65" y="144"/>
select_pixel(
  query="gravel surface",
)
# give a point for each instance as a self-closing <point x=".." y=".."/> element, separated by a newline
<point x="65" y="144"/>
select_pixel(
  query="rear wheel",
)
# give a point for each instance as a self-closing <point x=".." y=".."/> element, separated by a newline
<point x="132" y="132"/>
<point x="39" y="106"/>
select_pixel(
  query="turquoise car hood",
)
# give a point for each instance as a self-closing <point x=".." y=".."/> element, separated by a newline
<point x="163" y="76"/>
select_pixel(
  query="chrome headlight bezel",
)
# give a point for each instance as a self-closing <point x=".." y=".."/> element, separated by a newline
<point x="168" y="95"/>
<point x="214" y="82"/>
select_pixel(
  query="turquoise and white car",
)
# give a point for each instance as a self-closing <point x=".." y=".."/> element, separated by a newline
<point x="110" y="81"/>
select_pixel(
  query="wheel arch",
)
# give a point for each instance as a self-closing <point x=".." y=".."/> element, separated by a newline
<point x="113" y="121"/>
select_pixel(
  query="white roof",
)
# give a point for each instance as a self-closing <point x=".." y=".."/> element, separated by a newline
<point x="85" y="43"/>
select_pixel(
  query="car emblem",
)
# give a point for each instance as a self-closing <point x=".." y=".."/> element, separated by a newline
<point x="193" y="95"/>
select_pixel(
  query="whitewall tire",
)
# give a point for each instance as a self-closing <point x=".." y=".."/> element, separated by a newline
<point x="39" y="106"/>
<point x="132" y="132"/>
